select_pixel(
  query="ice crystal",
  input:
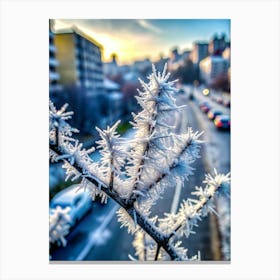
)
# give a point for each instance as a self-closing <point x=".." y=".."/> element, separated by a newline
<point x="126" y="221"/>
<point x="145" y="247"/>
<point x="58" y="127"/>
<point x="59" y="224"/>
<point x="176" y="168"/>
<point x="151" y="140"/>
<point x="93" y="190"/>
<point x="112" y="150"/>
<point x="57" y="115"/>
<point x="52" y="155"/>
<point x="70" y="171"/>
<point x="193" y="210"/>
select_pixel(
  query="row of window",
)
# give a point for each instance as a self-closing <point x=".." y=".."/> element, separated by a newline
<point x="91" y="76"/>
<point x="85" y="44"/>
<point x="92" y="57"/>
<point x="87" y="64"/>
<point x="92" y="84"/>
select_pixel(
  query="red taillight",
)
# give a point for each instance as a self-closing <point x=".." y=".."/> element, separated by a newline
<point x="218" y="123"/>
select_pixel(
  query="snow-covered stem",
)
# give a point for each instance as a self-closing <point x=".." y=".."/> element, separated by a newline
<point x="59" y="224"/>
<point x="165" y="172"/>
<point x="193" y="210"/>
<point x="154" y="101"/>
<point x="157" y="252"/>
<point x="103" y="186"/>
<point x="135" y="178"/>
<point x="141" y="220"/>
<point x="161" y="239"/>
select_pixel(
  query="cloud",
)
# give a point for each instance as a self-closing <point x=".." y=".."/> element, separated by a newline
<point x="147" y="25"/>
<point x="126" y="37"/>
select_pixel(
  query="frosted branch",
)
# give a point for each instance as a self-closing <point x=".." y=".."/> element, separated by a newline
<point x="59" y="224"/>
<point x="135" y="179"/>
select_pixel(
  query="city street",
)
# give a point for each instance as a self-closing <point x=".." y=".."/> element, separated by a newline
<point x="98" y="235"/>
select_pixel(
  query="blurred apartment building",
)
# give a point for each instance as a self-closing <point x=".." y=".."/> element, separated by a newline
<point x="80" y="62"/>
<point x="215" y="67"/>
<point x="217" y="44"/>
<point x="199" y="52"/>
<point x="111" y="68"/>
<point x="54" y="86"/>
<point x="81" y="75"/>
<point x="176" y="59"/>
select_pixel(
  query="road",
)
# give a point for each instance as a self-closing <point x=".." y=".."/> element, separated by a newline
<point x="217" y="143"/>
<point x="217" y="155"/>
<point x="98" y="236"/>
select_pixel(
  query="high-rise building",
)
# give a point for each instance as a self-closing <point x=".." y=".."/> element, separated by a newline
<point x="54" y="86"/>
<point x="213" y="68"/>
<point x="174" y="60"/>
<point x="226" y="54"/>
<point x="199" y="52"/>
<point x="217" y="44"/>
<point x="81" y="76"/>
<point x="79" y="58"/>
<point x="186" y="54"/>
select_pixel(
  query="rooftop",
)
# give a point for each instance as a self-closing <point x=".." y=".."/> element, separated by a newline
<point x="75" y="29"/>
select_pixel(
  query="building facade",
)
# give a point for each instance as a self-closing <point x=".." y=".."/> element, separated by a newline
<point x="80" y="72"/>
<point x="54" y="86"/>
<point x="217" y="45"/>
<point x="199" y="52"/>
<point x="213" y="68"/>
<point x="79" y="61"/>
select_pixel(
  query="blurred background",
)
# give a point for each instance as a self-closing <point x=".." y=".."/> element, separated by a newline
<point x="94" y="66"/>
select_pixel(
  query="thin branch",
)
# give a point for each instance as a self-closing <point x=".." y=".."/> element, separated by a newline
<point x="161" y="176"/>
<point x="142" y="221"/>
<point x="197" y="210"/>
<point x="145" y="249"/>
<point x="157" y="252"/>
<point x="112" y="175"/>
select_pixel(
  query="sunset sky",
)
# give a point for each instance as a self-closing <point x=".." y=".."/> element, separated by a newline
<point x="135" y="39"/>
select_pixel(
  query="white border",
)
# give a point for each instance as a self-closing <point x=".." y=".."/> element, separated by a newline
<point x="255" y="138"/>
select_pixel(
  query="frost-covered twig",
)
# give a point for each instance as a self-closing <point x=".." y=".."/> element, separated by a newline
<point x="59" y="220"/>
<point x="193" y="210"/>
<point x="136" y="179"/>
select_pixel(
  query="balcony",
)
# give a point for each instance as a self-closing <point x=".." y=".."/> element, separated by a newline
<point x="52" y="48"/>
<point x="53" y="62"/>
<point x="53" y="76"/>
<point x="55" y="88"/>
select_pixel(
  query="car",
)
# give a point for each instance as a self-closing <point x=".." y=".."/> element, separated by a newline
<point x="203" y="103"/>
<point x="205" y="107"/>
<point x="213" y="97"/>
<point x="213" y="113"/>
<point x="222" y="122"/>
<point x="79" y="201"/>
<point x="226" y="103"/>
<point x="219" y="99"/>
